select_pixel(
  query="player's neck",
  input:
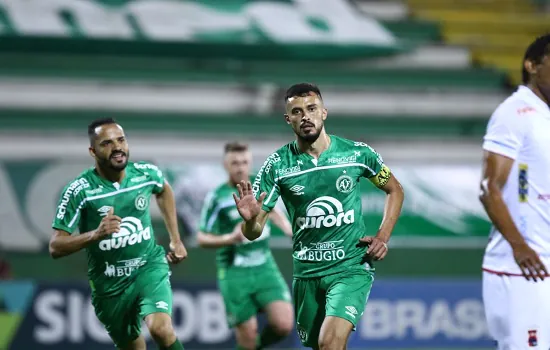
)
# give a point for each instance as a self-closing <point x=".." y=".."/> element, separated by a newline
<point x="111" y="175"/>
<point x="539" y="93"/>
<point x="316" y="147"/>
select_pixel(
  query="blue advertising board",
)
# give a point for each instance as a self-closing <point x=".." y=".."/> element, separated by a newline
<point x="400" y="314"/>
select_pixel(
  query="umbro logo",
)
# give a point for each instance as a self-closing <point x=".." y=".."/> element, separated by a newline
<point x="352" y="311"/>
<point x="357" y="153"/>
<point x="297" y="189"/>
<point x="162" y="305"/>
<point x="104" y="210"/>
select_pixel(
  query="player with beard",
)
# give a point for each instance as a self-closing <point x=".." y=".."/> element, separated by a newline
<point x="248" y="276"/>
<point x="127" y="269"/>
<point x="317" y="176"/>
<point x="515" y="191"/>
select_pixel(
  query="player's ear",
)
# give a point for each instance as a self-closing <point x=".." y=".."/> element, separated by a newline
<point x="530" y="66"/>
<point x="92" y="151"/>
<point x="287" y="119"/>
<point x="325" y="113"/>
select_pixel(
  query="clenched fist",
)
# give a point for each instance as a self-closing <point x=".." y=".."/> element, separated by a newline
<point x="108" y="225"/>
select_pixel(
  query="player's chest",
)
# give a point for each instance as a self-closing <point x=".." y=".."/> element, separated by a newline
<point x="131" y="203"/>
<point x="325" y="178"/>
<point x="538" y="142"/>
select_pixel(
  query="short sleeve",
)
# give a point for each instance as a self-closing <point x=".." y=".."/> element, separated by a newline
<point x="505" y="133"/>
<point x="208" y="219"/>
<point x="69" y="207"/>
<point x="265" y="182"/>
<point x="156" y="175"/>
<point x="375" y="169"/>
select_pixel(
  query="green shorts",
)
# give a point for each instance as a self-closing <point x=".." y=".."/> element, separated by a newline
<point x="342" y="295"/>
<point x="248" y="290"/>
<point x="122" y="314"/>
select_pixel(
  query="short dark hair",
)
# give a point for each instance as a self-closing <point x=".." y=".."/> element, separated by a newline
<point x="94" y="124"/>
<point x="302" y="90"/>
<point x="535" y="53"/>
<point x="235" y="147"/>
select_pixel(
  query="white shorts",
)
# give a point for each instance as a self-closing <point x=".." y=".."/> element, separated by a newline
<point x="517" y="311"/>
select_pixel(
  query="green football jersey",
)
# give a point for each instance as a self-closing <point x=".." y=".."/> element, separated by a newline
<point x="220" y="216"/>
<point x="114" y="261"/>
<point x="323" y="200"/>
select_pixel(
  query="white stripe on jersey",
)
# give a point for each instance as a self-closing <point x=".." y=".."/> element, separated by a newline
<point x="327" y="167"/>
<point x="114" y="193"/>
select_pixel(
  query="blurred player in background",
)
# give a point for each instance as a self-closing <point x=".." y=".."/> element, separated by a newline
<point x="317" y="177"/>
<point x="128" y="271"/>
<point x="515" y="191"/>
<point x="248" y="276"/>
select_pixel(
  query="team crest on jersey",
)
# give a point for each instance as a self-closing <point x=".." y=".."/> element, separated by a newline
<point x="344" y="184"/>
<point x="532" y="338"/>
<point x="141" y="202"/>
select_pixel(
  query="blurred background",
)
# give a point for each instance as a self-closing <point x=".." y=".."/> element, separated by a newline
<point x="416" y="79"/>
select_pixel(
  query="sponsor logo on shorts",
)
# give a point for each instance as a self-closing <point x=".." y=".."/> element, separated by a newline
<point x="123" y="267"/>
<point x="131" y="233"/>
<point x="161" y="305"/>
<point x="325" y="211"/>
<point x="352" y="311"/>
<point x="532" y="338"/>
<point x="321" y="251"/>
<point x="301" y="333"/>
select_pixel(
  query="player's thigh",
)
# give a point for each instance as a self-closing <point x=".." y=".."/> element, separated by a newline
<point x="120" y="316"/>
<point x="347" y="294"/>
<point x="237" y="297"/>
<point x="273" y="296"/>
<point x="334" y="333"/>
<point x="156" y="292"/>
<point x="496" y="296"/>
<point x="529" y="317"/>
<point x="309" y="308"/>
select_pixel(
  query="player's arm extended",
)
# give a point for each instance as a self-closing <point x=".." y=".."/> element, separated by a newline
<point x="387" y="182"/>
<point x="210" y="240"/>
<point x="280" y="220"/>
<point x="496" y="169"/>
<point x="167" y="205"/>
<point x="63" y="243"/>
<point x="253" y="228"/>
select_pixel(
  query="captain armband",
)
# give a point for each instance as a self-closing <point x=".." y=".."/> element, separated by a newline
<point x="382" y="178"/>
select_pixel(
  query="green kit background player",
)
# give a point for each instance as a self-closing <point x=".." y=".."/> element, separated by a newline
<point x="248" y="276"/>
<point x="317" y="176"/>
<point x="128" y="270"/>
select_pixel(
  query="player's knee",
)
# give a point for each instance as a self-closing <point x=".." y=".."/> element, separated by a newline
<point x="246" y="336"/>
<point x="332" y="341"/>
<point x="162" y="332"/>
<point x="283" y="327"/>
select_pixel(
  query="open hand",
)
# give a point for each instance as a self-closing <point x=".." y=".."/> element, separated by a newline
<point x="248" y="206"/>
